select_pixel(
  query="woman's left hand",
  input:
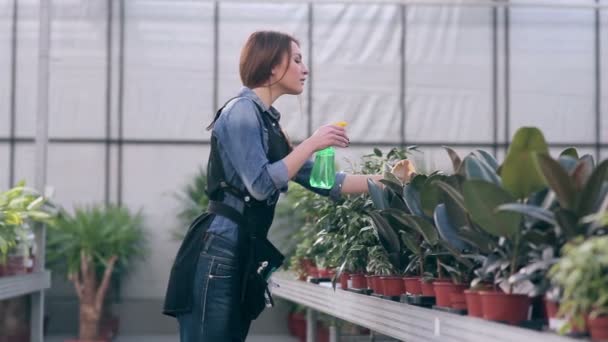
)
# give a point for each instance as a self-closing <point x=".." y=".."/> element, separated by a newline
<point x="404" y="169"/>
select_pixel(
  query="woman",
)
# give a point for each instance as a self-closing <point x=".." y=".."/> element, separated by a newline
<point x="213" y="289"/>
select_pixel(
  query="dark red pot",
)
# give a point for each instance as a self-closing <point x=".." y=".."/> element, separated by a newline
<point x="324" y="273"/>
<point x="344" y="280"/>
<point x="412" y="285"/>
<point x="458" y="301"/>
<point x="296" y="324"/>
<point x="473" y="300"/>
<point x="392" y="286"/>
<point x="358" y="281"/>
<point x="369" y="280"/>
<point x="442" y="292"/>
<point x="598" y="328"/>
<point x="551" y="308"/>
<point x="377" y="285"/>
<point x="509" y="308"/>
<point x="427" y="287"/>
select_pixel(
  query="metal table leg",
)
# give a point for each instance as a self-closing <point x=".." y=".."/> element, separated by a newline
<point x="311" y="325"/>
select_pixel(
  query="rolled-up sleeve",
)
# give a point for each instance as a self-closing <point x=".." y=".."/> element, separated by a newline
<point x="239" y="134"/>
<point x="303" y="178"/>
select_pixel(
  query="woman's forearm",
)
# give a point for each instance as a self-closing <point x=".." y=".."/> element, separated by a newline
<point x="297" y="158"/>
<point x="357" y="184"/>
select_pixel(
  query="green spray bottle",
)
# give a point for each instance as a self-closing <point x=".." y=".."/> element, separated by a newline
<point x="324" y="169"/>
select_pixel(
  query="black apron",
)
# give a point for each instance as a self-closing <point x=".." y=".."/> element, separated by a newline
<point x="257" y="256"/>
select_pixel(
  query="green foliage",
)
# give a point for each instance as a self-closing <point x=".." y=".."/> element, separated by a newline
<point x="20" y="207"/>
<point x="97" y="232"/>
<point x="193" y="201"/>
<point x="339" y="234"/>
<point x="581" y="274"/>
<point x="519" y="172"/>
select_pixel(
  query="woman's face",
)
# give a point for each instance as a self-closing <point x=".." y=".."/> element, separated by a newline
<point x="292" y="81"/>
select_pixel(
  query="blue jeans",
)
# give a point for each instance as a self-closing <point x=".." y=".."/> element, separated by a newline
<point x="216" y="314"/>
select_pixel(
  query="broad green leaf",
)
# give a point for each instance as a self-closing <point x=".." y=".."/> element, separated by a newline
<point x="431" y="195"/>
<point x="475" y="168"/>
<point x="457" y="214"/>
<point x="571" y="152"/>
<point x="567" y="163"/>
<point x="386" y="234"/>
<point x="488" y="158"/>
<point x="421" y="225"/>
<point x="558" y="181"/>
<point x="480" y="241"/>
<point x="394" y="187"/>
<point x="519" y="173"/>
<point x="412" y="200"/>
<point x="446" y="230"/>
<point x="409" y="241"/>
<point x="481" y="200"/>
<point x="418" y="181"/>
<point x="456" y="161"/>
<point x="568" y="222"/>
<point x="377" y="195"/>
<point x="452" y="192"/>
<point x="531" y="211"/>
<point x="582" y="172"/>
<point x="397" y="203"/>
<point x="592" y="190"/>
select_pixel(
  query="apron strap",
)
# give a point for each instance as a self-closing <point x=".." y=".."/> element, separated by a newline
<point x="222" y="209"/>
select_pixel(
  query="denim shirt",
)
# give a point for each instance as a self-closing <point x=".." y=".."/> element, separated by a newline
<point x="243" y="147"/>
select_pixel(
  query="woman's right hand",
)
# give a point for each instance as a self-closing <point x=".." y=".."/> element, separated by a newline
<point x="329" y="135"/>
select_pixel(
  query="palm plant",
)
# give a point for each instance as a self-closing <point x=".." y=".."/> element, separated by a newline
<point x="193" y="201"/>
<point x="91" y="247"/>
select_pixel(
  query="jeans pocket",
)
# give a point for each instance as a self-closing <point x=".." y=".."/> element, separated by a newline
<point x="222" y="268"/>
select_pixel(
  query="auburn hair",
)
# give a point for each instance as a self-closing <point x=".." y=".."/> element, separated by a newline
<point x="263" y="51"/>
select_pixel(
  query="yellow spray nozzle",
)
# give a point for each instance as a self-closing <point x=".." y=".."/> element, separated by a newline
<point x="341" y="124"/>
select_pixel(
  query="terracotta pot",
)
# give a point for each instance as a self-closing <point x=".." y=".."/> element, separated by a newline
<point x="412" y="285"/>
<point x="15" y="265"/>
<point x="458" y="301"/>
<point x="324" y="273"/>
<point x="358" y="281"/>
<point x="108" y="327"/>
<point x="509" y="308"/>
<point x="598" y="328"/>
<point x="392" y="286"/>
<point x="442" y="292"/>
<point x="344" y="280"/>
<point x="427" y="287"/>
<point x="378" y="285"/>
<point x="21" y="336"/>
<point x="551" y="308"/>
<point x="373" y="282"/>
<point x="369" y="280"/>
<point x="473" y="300"/>
<point x="296" y="324"/>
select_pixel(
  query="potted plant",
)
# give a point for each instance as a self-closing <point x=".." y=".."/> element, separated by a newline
<point x="578" y="192"/>
<point x="20" y="208"/>
<point x="581" y="274"/>
<point x="482" y="192"/>
<point x="91" y="247"/>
